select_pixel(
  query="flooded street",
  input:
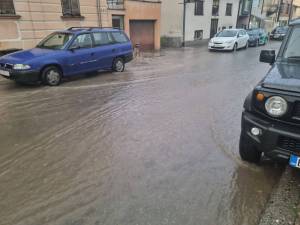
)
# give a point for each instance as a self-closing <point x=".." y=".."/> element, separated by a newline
<point x="155" y="145"/>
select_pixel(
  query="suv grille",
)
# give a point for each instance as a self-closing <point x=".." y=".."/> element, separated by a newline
<point x="289" y="144"/>
<point x="296" y="112"/>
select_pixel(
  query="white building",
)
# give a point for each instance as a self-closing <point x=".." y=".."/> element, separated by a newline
<point x="203" y="18"/>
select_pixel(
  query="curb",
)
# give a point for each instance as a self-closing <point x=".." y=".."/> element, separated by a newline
<point x="282" y="208"/>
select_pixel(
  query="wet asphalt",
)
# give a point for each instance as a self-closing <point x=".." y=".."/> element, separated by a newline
<point x="155" y="145"/>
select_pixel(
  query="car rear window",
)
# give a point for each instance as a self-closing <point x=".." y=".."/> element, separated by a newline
<point x="102" y="38"/>
<point x="119" y="37"/>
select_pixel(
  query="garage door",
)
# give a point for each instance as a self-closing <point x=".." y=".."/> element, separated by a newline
<point x="142" y="32"/>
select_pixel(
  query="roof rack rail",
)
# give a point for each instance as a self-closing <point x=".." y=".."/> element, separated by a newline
<point x="88" y="28"/>
<point x="91" y="28"/>
<point x="117" y="28"/>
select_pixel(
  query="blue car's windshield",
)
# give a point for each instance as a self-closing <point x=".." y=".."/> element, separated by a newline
<point x="55" y="41"/>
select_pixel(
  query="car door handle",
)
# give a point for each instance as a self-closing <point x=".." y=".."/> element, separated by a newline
<point x="113" y="50"/>
<point x="93" y="53"/>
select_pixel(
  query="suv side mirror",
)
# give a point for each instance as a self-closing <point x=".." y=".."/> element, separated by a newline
<point x="267" y="56"/>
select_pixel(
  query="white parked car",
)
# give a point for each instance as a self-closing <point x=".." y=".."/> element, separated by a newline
<point x="229" y="39"/>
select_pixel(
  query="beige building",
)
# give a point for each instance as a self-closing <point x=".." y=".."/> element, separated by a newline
<point x="23" y="23"/>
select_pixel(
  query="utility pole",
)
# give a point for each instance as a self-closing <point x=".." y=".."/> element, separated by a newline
<point x="291" y="11"/>
<point x="183" y="25"/>
<point x="250" y="14"/>
<point x="279" y="9"/>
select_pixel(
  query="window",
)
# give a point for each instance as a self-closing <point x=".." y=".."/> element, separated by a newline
<point x="215" y="8"/>
<point x="198" y="35"/>
<point x="102" y="38"/>
<point x="230" y="27"/>
<point x="70" y="7"/>
<point x="223" y="28"/>
<point x="228" y="9"/>
<point x="7" y="7"/>
<point x="82" y="41"/>
<point x="199" y="7"/>
<point x="118" y="22"/>
<point x="119" y="37"/>
<point x="288" y="9"/>
<point x="55" y="41"/>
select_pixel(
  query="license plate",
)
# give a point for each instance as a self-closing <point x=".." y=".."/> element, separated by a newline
<point x="4" y="73"/>
<point x="295" y="161"/>
<point x="276" y="36"/>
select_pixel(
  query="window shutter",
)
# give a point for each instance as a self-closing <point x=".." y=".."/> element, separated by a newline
<point x="66" y="7"/>
<point x="7" y="7"/>
<point x="75" y="7"/>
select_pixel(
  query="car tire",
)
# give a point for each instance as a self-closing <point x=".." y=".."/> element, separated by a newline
<point x="118" y="65"/>
<point x="235" y="47"/>
<point x="51" y="76"/>
<point x="247" y="150"/>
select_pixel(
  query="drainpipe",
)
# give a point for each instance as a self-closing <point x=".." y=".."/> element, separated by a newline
<point x="98" y="2"/>
<point x="183" y="27"/>
<point x="238" y="15"/>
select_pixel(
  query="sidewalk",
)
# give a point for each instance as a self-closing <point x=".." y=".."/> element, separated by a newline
<point x="283" y="207"/>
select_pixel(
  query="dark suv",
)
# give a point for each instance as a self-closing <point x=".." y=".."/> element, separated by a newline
<point x="271" y="116"/>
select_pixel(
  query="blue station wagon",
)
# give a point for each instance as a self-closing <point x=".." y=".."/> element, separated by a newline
<point x="68" y="53"/>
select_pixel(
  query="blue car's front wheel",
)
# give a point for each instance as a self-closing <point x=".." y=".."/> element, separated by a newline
<point x="51" y="76"/>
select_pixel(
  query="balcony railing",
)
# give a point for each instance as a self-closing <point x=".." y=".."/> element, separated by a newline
<point x="115" y="4"/>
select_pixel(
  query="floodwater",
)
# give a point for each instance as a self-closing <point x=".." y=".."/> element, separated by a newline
<point x="155" y="145"/>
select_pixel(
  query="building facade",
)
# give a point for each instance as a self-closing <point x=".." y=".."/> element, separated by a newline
<point x="26" y="22"/>
<point x="268" y="14"/>
<point x="205" y="18"/>
<point x="172" y="23"/>
<point x="193" y="22"/>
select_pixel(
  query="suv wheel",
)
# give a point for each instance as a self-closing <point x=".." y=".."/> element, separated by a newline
<point x="51" y="76"/>
<point x="248" y="152"/>
<point x="118" y="65"/>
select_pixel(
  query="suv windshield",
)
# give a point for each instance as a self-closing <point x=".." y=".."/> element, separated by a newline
<point x="227" y="33"/>
<point x="55" y="41"/>
<point x="292" y="49"/>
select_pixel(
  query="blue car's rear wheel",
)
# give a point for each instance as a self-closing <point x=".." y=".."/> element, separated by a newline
<point x="51" y="76"/>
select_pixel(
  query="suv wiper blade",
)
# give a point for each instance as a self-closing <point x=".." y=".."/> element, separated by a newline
<point x="294" y="57"/>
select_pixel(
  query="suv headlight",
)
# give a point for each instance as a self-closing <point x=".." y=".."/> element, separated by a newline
<point x="276" y="106"/>
<point x="21" y="67"/>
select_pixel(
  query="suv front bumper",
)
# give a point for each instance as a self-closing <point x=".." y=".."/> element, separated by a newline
<point x="277" y="140"/>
